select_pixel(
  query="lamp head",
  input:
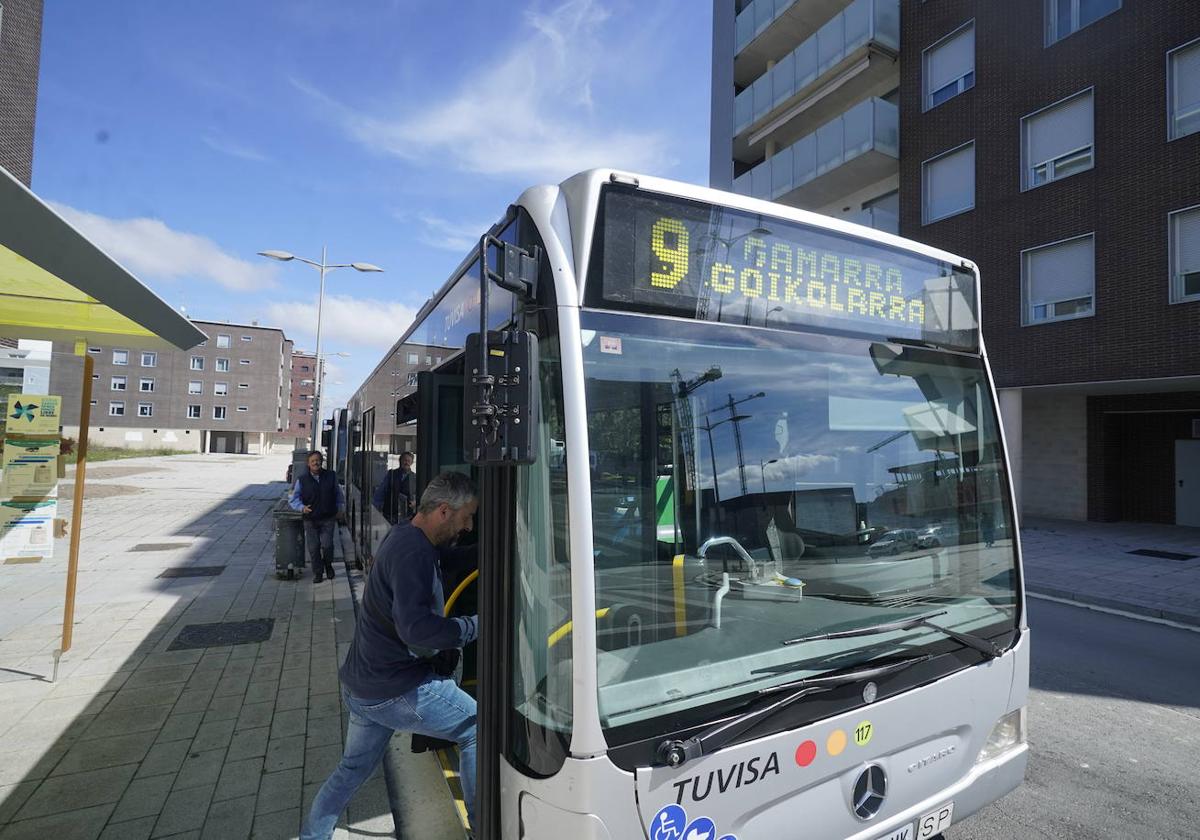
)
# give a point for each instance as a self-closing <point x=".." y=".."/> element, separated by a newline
<point x="282" y="256"/>
<point x="365" y="267"/>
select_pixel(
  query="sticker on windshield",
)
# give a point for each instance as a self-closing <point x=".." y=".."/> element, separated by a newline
<point x="863" y="733"/>
<point x="671" y="823"/>
<point x="610" y="344"/>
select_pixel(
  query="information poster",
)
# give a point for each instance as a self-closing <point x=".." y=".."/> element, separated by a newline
<point x="29" y="480"/>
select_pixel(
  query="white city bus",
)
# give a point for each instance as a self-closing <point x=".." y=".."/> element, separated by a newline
<point x="750" y="569"/>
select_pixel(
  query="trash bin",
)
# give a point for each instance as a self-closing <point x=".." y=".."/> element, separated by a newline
<point x="299" y="464"/>
<point x="289" y="541"/>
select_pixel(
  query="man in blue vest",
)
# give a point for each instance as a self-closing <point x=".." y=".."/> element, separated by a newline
<point x="394" y="494"/>
<point x="319" y="497"/>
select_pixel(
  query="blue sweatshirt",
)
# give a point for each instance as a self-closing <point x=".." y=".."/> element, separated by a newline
<point x="404" y="589"/>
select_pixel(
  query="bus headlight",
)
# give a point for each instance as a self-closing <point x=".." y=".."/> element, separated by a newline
<point x="1008" y="733"/>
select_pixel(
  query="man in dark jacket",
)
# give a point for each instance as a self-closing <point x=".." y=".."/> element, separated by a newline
<point x="393" y="495"/>
<point x="318" y="495"/>
<point x="389" y="683"/>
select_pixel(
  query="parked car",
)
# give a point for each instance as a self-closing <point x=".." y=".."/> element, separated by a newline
<point x="937" y="535"/>
<point x="894" y="542"/>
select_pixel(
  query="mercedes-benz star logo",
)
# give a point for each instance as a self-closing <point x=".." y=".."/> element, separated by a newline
<point x="869" y="792"/>
<point x="870" y="692"/>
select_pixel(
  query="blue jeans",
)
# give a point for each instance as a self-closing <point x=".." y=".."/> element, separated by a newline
<point x="318" y="539"/>
<point x="437" y="707"/>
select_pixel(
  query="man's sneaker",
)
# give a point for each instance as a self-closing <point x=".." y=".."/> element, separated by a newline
<point x="317" y="578"/>
<point x="329" y="573"/>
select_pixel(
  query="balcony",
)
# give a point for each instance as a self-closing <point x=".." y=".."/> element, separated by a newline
<point x="766" y="29"/>
<point x="852" y="151"/>
<point x="853" y="55"/>
<point x="878" y="218"/>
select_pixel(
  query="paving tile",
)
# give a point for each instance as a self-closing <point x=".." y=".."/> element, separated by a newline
<point x="31" y="734"/>
<point x="261" y="691"/>
<point x="180" y="727"/>
<point x="194" y="699"/>
<point x="184" y="810"/>
<point x="224" y="708"/>
<point x="279" y="791"/>
<point x="254" y="715"/>
<point x="73" y="706"/>
<point x="173" y="657"/>
<point x="326" y="730"/>
<point x="105" y="752"/>
<point x="285" y="753"/>
<point x="324" y="705"/>
<point x="77" y="790"/>
<point x="164" y="675"/>
<point x="150" y="695"/>
<point x="144" y="798"/>
<point x="131" y="830"/>
<point x="239" y="778"/>
<point x="164" y="757"/>
<point x="82" y="824"/>
<point x="234" y="684"/>
<point x="231" y="818"/>
<point x="291" y="698"/>
<point x="73" y="685"/>
<point x="127" y="721"/>
<point x="29" y="764"/>
<point x="249" y="743"/>
<point x="213" y="735"/>
<point x="12" y="797"/>
<point x="280" y="825"/>
<point x="319" y="762"/>
<point x="287" y="723"/>
<point x="204" y="679"/>
<point x="200" y="768"/>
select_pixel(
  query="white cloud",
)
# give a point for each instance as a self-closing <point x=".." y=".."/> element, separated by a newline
<point x="450" y="236"/>
<point x="151" y="249"/>
<point x="530" y="114"/>
<point x="233" y="148"/>
<point x="361" y="322"/>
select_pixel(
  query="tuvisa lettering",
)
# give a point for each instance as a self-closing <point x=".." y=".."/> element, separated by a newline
<point x="724" y="779"/>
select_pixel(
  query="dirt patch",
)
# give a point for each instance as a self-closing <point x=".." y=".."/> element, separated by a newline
<point x="107" y="472"/>
<point x="66" y="490"/>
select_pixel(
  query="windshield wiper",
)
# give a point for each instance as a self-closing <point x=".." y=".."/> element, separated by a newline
<point x="674" y="752"/>
<point x="985" y="646"/>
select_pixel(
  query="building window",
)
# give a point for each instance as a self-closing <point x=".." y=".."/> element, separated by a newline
<point x="149" y="359"/>
<point x="222" y="366"/>
<point x="1056" y="142"/>
<point x="222" y="341"/>
<point x="193" y="412"/>
<point x="243" y="361"/>
<point x="412" y="380"/>
<point x="145" y="409"/>
<point x="247" y="338"/>
<point x="120" y="357"/>
<point x="145" y="385"/>
<point x="302" y="410"/>
<point x="299" y="425"/>
<point x="1064" y="17"/>
<point x="439" y="360"/>
<point x="116" y="408"/>
<point x="243" y="408"/>
<point x="949" y="66"/>
<point x="197" y="363"/>
<point x="195" y="387"/>
<point x="1058" y="280"/>
<point x="220" y="389"/>
<point x="243" y="385"/>
<point x="118" y="383"/>
<point x="94" y="350"/>
<point x="1185" y="254"/>
<point x="218" y="412"/>
<point x="413" y="358"/>
<point x="429" y="360"/>
<point x="304" y="368"/>
<point x="948" y="184"/>
<point x="1183" y="90"/>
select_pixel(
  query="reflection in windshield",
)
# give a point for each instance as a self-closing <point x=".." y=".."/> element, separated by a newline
<point x="751" y="486"/>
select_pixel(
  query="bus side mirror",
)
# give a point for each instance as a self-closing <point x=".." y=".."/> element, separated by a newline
<point x="501" y="410"/>
<point x="326" y="439"/>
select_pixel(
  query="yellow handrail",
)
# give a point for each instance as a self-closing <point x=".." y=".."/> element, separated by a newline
<point x="458" y="590"/>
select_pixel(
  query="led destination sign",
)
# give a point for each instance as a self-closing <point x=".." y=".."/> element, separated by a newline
<point x="681" y="257"/>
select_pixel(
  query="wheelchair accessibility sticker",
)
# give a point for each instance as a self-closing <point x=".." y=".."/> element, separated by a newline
<point x="671" y="823"/>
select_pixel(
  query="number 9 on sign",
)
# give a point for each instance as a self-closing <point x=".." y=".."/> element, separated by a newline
<point x="669" y="240"/>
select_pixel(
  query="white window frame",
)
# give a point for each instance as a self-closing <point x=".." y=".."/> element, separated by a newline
<point x="412" y="380"/>
<point x="124" y="386"/>
<point x="1051" y="19"/>
<point x="243" y="408"/>
<point x="1028" y="168"/>
<point x="114" y="405"/>
<point x="223" y="341"/>
<point x="1176" y="276"/>
<point x="194" y="411"/>
<point x="243" y="385"/>
<point x="195" y="387"/>
<point x="927" y="220"/>
<point x="414" y="358"/>
<point x="197" y="363"/>
<point x="220" y="389"/>
<point x="1172" y="117"/>
<point x="152" y="356"/>
<point x="124" y="358"/>
<point x="143" y="382"/>
<point x="243" y="361"/>
<point x="1027" y="319"/>
<point x="962" y="83"/>
<point x="220" y="412"/>
<point x="145" y="409"/>
<point x="222" y="366"/>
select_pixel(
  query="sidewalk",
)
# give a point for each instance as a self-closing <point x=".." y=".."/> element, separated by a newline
<point x="137" y="740"/>
<point x="1090" y="562"/>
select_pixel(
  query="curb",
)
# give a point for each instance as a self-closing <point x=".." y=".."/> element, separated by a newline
<point x="1117" y="605"/>
<point x="353" y="578"/>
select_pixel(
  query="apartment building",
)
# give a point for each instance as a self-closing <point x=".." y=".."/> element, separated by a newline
<point x="394" y="378"/>
<point x="1057" y="144"/>
<point x="303" y="378"/>
<point x="229" y="394"/>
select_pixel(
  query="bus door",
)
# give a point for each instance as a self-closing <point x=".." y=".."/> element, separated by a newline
<point x="366" y="482"/>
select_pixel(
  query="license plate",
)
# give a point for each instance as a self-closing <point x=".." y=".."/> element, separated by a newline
<point x="905" y="833"/>
<point x="935" y="822"/>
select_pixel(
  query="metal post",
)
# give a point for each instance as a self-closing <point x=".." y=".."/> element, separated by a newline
<point x="316" y="412"/>
<point x="85" y="418"/>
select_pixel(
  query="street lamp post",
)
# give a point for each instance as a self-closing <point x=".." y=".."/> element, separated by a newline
<point x="323" y="267"/>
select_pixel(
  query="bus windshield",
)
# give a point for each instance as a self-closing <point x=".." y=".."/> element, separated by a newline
<point x="751" y="486"/>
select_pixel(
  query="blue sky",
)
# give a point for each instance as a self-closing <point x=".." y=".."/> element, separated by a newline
<point x="184" y="138"/>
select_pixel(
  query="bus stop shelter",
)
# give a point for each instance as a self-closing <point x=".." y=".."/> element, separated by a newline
<point x="57" y="285"/>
